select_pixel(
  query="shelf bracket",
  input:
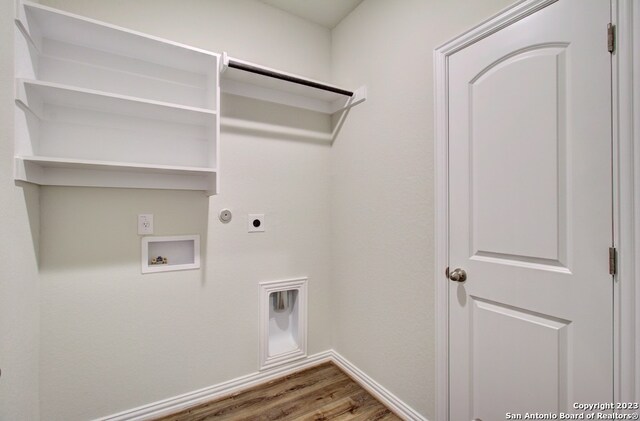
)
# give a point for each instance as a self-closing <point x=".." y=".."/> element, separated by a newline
<point x="359" y="95"/>
<point x="224" y="62"/>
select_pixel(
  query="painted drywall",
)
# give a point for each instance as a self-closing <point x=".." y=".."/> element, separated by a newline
<point x="382" y="190"/>
<point x="113" y="339"/>
<point x="19" y="223"/>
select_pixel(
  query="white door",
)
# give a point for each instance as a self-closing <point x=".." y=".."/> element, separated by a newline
<point x="530" y="197"/>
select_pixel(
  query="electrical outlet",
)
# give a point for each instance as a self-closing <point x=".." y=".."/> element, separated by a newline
<point x="255" y="222"/>
<point x="145" y="224"/>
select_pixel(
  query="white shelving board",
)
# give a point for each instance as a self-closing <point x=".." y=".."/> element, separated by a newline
<point x="253" y="85"/>
<point x="35" y="94"/>
<point x="53" y="171"/>
<point x="100" y="105"/>
<point x="44" y="23"/>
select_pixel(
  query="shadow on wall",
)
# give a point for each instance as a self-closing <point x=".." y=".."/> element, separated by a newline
<point x="93" y="228"/>
<point x="266" y="119"/>
<point x="31" y="194"/>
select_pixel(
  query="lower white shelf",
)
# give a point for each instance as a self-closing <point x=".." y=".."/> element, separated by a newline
<point x="165" y="254"/>
<point x="53" y="171"/>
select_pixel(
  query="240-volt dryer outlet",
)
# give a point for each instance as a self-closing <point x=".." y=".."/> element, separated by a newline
<point x="255" y="222"/>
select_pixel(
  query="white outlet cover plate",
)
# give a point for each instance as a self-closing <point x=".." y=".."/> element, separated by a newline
<point x="145" y="224"/>
<point x="250" y="222"/>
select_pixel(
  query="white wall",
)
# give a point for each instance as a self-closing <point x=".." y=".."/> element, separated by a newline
<point x="19" y="271"/>
<point x="382" y="189"/>
<point x="112" y="339"/>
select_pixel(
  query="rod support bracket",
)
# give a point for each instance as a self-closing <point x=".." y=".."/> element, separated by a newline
<point x="224" y="62"/>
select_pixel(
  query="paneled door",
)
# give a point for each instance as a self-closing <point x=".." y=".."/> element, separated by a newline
<point x="530" y="214"/>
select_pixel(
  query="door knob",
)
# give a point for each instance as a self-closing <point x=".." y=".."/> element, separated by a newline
<point x="458" y="275"/>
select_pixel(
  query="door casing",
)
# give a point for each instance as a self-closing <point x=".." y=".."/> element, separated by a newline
<point x="626" y="187"/>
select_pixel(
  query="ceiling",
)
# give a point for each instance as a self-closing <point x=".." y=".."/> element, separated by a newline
<point x="327" y="13"/>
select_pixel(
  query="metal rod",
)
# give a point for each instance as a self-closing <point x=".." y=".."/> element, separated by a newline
<point x="293" y="79"/>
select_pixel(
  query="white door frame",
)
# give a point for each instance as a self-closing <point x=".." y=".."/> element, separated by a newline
<point x="626" y="179"/>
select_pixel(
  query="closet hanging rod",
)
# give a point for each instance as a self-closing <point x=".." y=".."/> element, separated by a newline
<point x="270" y="73"/>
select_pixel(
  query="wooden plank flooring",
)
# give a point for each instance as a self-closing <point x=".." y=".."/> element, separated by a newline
<point x="323" y="392"/>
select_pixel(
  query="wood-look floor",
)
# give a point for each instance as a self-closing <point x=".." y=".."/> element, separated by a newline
<point x="323" y="392"/>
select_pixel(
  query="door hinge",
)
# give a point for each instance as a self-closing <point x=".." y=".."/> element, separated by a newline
<point x="613" y="260"/>
<point x="611" y="37"/>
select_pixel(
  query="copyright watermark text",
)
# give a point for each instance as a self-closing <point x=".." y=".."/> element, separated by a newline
<point x="585" y="411"/>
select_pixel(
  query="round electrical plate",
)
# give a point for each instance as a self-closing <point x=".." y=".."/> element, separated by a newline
<point x="225" y="215"/>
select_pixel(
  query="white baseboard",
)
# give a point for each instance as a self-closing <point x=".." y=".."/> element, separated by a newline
<point x="390" y="400"/>
<point x="187" y="400"/>
<point x="178" y="403"/>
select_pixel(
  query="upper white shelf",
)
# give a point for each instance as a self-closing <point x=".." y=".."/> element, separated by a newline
<point x="243" y="78"/>
<point x="45" y="22"/>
